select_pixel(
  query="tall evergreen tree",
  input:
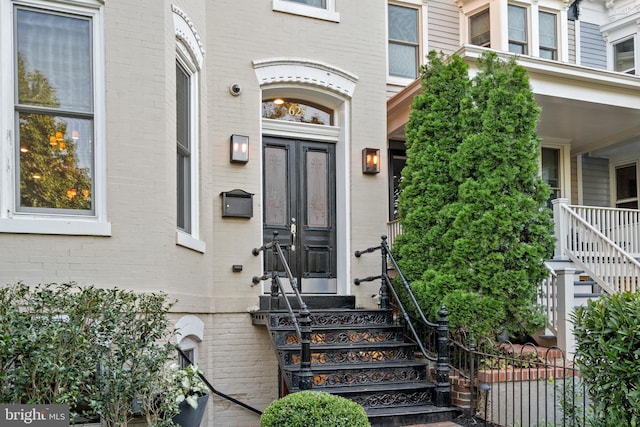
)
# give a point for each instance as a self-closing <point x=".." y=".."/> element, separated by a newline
<point x="493" y="236"/>
<point x="434" y="132"/>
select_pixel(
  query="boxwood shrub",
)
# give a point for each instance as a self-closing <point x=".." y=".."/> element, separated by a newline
<point x="314" y="409"/>
<point x="607" y="335"/>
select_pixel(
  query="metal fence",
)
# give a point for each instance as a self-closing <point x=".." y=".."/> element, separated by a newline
<point x="515" y="385"/>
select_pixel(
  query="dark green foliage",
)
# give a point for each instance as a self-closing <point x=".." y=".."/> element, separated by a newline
<point x="434" y="132"/>
<point x="97" y="350"/>
<point x="314" y="409"/>
<point x="607" y="333"/>
<point x="476" y="230"/>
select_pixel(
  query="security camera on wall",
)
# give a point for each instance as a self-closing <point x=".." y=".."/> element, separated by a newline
<point x="235" y="89"/>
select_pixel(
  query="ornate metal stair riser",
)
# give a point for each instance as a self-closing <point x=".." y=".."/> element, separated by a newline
<point x="393" y="399"/>
<point x="340" y="337"/>
<point x="342" y="356"/>
<point x="338" y="319"/>
<point x="362" y="377"/>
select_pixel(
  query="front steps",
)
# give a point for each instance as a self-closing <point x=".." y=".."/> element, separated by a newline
<point x="361" y="355"/>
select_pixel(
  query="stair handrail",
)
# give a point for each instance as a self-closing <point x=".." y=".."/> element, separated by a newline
<point x="213" y="390"/>
<point x="570" y="222"/>
<point x="301" y="325"/>
<point x="443" y="394"/>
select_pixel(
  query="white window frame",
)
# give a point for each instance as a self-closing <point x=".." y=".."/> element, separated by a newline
<point x="614" y="182"/>
<point x="329" y="13"/>
<point x="564" y="160"/>
<point x="484" y="10"/>
<point x="12" y="221"/>
<point x="527" y="30"/>
<point x="634" y="70"/>
<point x="422" y="37"/>
<point x="190" y="55"/>
<point x="556" y="49"/>
<point x="417" y="45"/>
<point x="499" y="24"/>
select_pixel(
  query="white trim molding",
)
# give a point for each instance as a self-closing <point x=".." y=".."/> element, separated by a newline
<point x="189" y="326"/>
<point x="305" y="71"/>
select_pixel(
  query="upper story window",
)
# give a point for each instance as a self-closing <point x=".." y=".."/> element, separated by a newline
<point x="518" y="30"/>
<point x="523" y="28"/>
<point x="55" y="182"/>
<point x="320" y="9"/>
<point x="624" y="56"/>
<point x="404" y="47"/>
<point x="548" y="35"/>
<point x="480" y="29"/>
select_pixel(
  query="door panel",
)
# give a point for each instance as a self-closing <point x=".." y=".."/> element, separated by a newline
<point x="299" y="203"/>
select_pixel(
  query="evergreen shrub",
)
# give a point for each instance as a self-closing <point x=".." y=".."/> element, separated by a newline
<point x="476" y="228"/>
<point x="314" y="409"/>
<point x="607" y="334"/>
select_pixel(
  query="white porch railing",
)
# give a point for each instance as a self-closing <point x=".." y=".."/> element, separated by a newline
<point x="598" y="249"/>
<point x="547" y="299"/>
<point x="394" y="229"/>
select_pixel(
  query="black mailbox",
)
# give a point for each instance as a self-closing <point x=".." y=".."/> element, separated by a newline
<point x="237" y="203"/>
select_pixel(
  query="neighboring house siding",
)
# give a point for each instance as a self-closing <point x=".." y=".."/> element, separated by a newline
<point x="595" y="181"/>
<point x="443" y="26"/>
<point x="572" y="41"/>
<point x="593" y="49"/>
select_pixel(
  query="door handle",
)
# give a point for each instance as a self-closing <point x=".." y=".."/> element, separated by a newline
<point x="293" y="234"/>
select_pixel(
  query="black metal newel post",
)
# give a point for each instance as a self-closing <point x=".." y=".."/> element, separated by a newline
<point x="472" y="374"/>
<point x="274" y="302"/>
<point x="443" y="388"/>
<point x="384" y="291"/>
<point x="306" y="376"/>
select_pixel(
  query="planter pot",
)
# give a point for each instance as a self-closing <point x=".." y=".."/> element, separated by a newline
<point x="189" y="417"/>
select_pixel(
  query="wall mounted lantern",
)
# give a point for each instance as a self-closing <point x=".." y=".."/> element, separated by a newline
<point x="370" y="160"/>
<point x="239" y="149"/>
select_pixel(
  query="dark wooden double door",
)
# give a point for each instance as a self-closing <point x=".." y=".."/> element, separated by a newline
<point x="300" y="204"/>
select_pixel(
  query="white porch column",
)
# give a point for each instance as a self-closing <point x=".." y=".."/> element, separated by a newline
<point x="561" y="227"/>
<point x="566" y="339"/>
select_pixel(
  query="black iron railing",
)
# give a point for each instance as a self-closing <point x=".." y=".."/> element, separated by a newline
<point x="431" y="338"/>
<point x="213" y="390"/>
<point x="301" y="322"/>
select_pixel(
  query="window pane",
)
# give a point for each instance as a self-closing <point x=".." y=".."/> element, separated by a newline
<point x="517" y="24"/>
<point x="315" y="3"/>
<point x="480" y="28"/>
<point x="402" y="61"/>
<point x="548" y="53"/>
<point x="55" y="162"/>
<point x="182" y="107"/>
<point x="403" y="24"/>
<point x="296" y="111"/>
<point x="183" y="136"/>
<point x="317" y="193"/>
<point x="54" y="60"/>
<point x="547" y="30"/>
<point x="403" y="41"/>
<point x="626" y="182"/>
<point x="624" y="56"/>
